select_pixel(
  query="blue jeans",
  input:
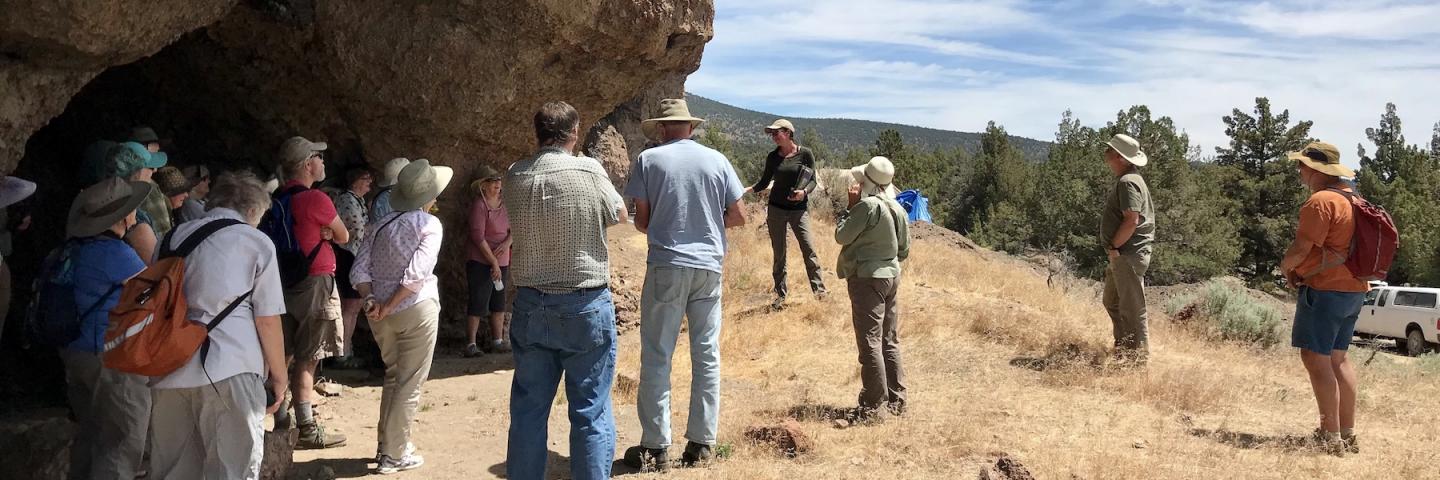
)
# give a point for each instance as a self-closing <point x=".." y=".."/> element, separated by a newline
<point x="670" y="295"/>
<point x="571" y="334"/>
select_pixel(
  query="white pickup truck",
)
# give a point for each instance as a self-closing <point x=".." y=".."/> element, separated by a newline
<point x="1407" y="314"/>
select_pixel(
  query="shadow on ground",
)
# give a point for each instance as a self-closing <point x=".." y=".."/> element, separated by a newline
<point x="328" y="468"/>
<point x="1252" y="440"/>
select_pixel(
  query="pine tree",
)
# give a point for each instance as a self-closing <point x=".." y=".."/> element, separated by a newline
<point x="1405" y="179"/>
<point x="1263" y="185"/>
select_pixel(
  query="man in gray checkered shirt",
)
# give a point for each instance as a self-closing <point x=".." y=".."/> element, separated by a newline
<point x="564" y="319"/>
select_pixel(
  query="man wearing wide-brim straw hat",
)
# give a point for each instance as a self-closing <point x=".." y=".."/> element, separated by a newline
<point x="1329" y="297"/>
<point x="686" y="195"/>
<point x="404" y="311"/>
<point x="111" y="407"/>
<point x="1127" y="227"/>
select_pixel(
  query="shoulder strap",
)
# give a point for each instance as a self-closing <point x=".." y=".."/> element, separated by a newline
<point x="192" y="241"/>
<point x="392" y="220"/>
<point x="215" y="322"/>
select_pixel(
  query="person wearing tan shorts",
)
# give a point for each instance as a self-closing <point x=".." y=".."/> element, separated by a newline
<point x="313" y="331"/>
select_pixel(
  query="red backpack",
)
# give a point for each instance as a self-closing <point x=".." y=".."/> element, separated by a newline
<point x="1372" y="247"/>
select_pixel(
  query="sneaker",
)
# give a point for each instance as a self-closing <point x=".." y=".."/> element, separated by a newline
<point x="409" y="450"/>
<point x="778" y="303"/>
<point x="647" y="459"/>
<point x="389" y="465"/>
<point x="314" y="437"/>
<point x="499" y="346"/>
<point x="821" y="294"/>
<point x="472" y="351"/>
<point x="697" y="454"/>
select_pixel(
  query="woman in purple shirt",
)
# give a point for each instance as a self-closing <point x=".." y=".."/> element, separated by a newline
<point x="488" y="267"/>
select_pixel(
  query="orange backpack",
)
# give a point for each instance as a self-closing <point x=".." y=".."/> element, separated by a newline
<point x="149" y="333"/>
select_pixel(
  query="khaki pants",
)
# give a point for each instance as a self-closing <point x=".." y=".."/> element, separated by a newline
<point x="1124" y="300"/>
<point x="799" y="221"/>
<point x="875" y="313"/>
<point x="209" y="432"/>
<point x="407" y="345"/>
<point x="113" y="410"/>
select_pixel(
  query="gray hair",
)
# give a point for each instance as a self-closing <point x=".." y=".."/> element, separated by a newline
<point x="241" y="192"/>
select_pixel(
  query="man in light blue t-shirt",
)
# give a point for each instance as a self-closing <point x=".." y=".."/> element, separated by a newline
<point x="686" y="195"/>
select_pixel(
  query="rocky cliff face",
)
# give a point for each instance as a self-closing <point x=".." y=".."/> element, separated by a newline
<point x="456" y="81"/>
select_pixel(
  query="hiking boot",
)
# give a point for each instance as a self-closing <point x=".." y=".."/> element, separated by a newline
<point x="314" y="437"/>
<point x="472" y="351"/>
<point x="697" y="454"/>
<point x="389" y="465"/>
<point x="821" y="294"/>
<point x="1321" y="440"/>
<point x="896" y="408"/>
<point x="498" y="346"/>
<point x="647" y="459"/>
<point x="1352" y="442"/>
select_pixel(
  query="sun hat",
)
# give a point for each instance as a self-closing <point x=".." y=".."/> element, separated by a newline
<point x="392" y="171"/>
<point x="486" y="174"/>
<point x="781" y="124"/>
<point x="1128" y="148"/>
<point x="298" y="149"/>
<point x="14" y="189"/>
<point x="171" y="181"/>
<point x="143" y="135"/>
<point x="879" y="171"/>
<point x="418" y="184"/>
<point x="671" y="110"/>
<point x="157" y="160"/>
<point x="97" y="208"/>
<point x="1322" y="157"/>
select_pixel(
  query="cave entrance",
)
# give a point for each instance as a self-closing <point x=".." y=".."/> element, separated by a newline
<point x="190" y="94"/>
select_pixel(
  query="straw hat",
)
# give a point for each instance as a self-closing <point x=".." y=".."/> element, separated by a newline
<point x="1128" y="148"/>
<point x="418" y="184"/>
<point x="97" y="208"/>
<point x="172" y="182"/>
<point x="1322" y="157"/>
<point x="879" y="171"/>
<point x="671" y="110"/>
<point x="392" y="170"/>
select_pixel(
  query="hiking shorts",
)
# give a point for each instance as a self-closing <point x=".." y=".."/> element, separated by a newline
<point x="484" y="299"/>
<point x="312" y="319"/>
<point x="1325" y="320"/>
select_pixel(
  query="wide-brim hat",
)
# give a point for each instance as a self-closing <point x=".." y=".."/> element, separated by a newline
<point x="879" y="171"/>
<point x="671" y="110"/>
<point x="97" y="208"/>
<point x="1129" y="149"/>
<point x="418" y="184"/>
<point x="1322" y="157"/>
<point x="392" y="171"/>
<point x="14" y="189"/>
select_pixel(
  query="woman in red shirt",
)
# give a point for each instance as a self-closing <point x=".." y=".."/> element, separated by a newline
<point x="488" y="267"/>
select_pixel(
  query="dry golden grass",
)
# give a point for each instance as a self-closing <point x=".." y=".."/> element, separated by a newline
<point x="971" y="322"/>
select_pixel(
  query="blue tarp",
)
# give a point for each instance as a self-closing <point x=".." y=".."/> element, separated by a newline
<point x="915" y="204"/>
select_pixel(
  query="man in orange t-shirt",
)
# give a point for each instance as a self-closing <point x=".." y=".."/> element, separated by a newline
<point x="1329" y="297"/>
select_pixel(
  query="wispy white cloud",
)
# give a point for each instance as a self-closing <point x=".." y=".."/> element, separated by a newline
<point x="1023" y="63"/>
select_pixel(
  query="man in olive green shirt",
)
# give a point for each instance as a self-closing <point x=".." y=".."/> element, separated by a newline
<point x="875" y="238"/>
<point x="1127" y="227"/>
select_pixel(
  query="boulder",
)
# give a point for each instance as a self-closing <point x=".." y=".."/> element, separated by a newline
<point x="787" y="437"/>
<point x="36" y="445"/>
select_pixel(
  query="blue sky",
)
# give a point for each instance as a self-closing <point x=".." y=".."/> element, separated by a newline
<point x="958" y="64"/>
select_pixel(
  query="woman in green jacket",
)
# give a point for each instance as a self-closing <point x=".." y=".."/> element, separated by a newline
<point x="875" y="238"/>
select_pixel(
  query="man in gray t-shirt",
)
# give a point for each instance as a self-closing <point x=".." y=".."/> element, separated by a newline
<point x="685" y="195"/>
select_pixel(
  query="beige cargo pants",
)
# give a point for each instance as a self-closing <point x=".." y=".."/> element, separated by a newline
<point x="1124" y="300"/>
